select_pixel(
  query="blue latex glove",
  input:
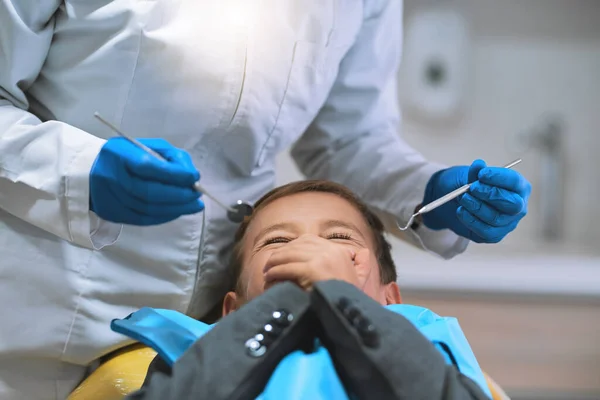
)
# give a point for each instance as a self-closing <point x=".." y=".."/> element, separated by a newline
<point x="491" y="209"/>
<point x="130" y="186"/>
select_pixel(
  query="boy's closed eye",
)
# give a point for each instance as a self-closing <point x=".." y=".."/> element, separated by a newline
<point x="284" y="239"/>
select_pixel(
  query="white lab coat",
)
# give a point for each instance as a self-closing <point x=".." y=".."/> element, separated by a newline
<point x="233" y="82"/>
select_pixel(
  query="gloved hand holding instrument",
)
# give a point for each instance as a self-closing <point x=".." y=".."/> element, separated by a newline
<point x="148" y="182"/>
<point x="480" y="203"/>
<point x="128" y="186"/>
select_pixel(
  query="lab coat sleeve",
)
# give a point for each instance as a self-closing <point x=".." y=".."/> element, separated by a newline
<point x="44" y="166"/>
<point x="354" y="139"/>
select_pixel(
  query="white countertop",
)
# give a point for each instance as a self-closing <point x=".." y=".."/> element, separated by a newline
<point x="500" y="270"/>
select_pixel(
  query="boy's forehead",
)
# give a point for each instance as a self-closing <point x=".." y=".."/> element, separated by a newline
<point x="299" y="205"/>
<point x="305" y="207"/>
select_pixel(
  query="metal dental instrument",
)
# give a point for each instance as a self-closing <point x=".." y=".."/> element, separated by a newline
<point x="236" y="213"/>
<point x="444" y="199"/>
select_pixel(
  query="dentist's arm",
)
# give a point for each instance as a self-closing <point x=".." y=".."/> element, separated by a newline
<point x="61" y="179"/>
<point x="44" y="166"/>
<point x="354" y="140"/>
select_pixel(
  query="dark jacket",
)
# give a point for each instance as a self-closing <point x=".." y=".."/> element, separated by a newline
<point x="377" y="353"/>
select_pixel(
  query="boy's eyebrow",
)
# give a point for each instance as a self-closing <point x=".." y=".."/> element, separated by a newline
<point x="336" y="223"/>
<point x="288" y="226"/>
<point x="281" y="226"/>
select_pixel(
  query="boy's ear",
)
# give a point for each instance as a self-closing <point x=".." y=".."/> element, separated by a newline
<point x="230" y="303"/>
<point x="392" y="294"/>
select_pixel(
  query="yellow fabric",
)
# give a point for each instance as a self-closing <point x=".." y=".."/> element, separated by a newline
<point x="118" y="376"/>
<point x="124" y="373"/>
<point x="497" y="392"/>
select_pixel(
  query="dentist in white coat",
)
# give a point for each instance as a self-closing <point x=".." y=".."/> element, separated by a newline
<point x="92" y="229"/>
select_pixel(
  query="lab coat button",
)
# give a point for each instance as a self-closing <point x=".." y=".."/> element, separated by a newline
<point x="282" y="318"/>
<point x="264" y="338"/>
<point x="272" y="330"/>
<point x="254" y="348"/>
<point x="352" y="313"/>
<point x="343" y="303"/>
<point x="367" y="332"/>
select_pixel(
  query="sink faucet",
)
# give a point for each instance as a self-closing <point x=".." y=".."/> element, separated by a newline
<point x="548" y="138"/>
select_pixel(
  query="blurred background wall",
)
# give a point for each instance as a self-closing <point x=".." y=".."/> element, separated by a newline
<point x="499" y="80"/>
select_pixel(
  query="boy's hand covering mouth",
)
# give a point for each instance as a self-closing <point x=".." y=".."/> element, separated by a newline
<point x="310" y="259"/>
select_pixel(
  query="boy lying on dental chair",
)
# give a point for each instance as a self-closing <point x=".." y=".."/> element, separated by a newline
<point x="304" y="319"/>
